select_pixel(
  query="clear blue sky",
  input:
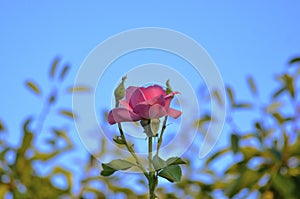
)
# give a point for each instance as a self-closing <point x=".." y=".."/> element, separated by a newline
<point x="242" y="37"/>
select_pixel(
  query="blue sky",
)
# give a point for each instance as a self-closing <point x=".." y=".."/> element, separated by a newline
<point x="242" y="37"/>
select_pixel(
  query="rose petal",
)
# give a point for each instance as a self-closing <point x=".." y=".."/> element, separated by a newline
<point x="173" y="113"/>
<point x="125" y="104"/>
<point x="147" y="111"/>
<point x="117" y="115"/>
<point x="129" y="91"/>
<point x="135" y="96"/>
<point x="153" y="91"/>
<point x="156" y="100"/>
<point x="168" y="99"/>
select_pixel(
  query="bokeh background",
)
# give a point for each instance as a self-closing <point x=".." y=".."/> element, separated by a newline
<point x="243" y="38"/>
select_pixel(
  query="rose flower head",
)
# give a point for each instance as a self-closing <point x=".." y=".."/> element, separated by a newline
<point x="144" y="103"/>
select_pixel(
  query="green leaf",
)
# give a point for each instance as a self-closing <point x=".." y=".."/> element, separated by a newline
<point x="242" y="105"/>
<point x="78" y="89"/>
<point x="289" y="82"/>
<point x="249" y="152"/>
<point x="275" y="154"/>
<point x="45" y="156"/>
<point x="273" y="107"/>
<point x="217" y="154"/>
<point x="175" y="161"/>
<point x="234" y="143"/>
<point x="64" y="72"/>
<point x="252" y="85"/>
<point x="120" y="164"/>
<point x="294" y="60"/>
<point x="2" y="127"/>
<point x="217" y="96"/>
<point x="278" y="117"/>
<point x="205" y="118"/>
<point x="258" y="126"/>
<point x="107" y="171"/>
<point x="27" y="138"/>
<point x="53" y="67"/>
<point x="231" y="95"/>
<point x="115" y="165"/>
<point x="247" y="178"/>
<point x="33" y="87"/>
<point x="279" y="92"/>
<point x="52" y="98"/>
<point x="284" y="185"/>
<point x="158" y="163"/>
<point x="171" y="173"/>
<point x="68" y="114"/>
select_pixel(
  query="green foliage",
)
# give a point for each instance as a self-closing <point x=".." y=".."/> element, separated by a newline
<point x="54" y="67"/>
<point x="269" y="152"/>
<point x="168" y="169"/>
<point x="234" y="143"/>
<point x="115" y="165"/>
<point x="18" y="176"/>
<point x="67" y="113"/>
<point x="78" y="89"/>
<point x="172" y="173"/>
<point x="33" y="87"/>
<point x="266" y="155"/>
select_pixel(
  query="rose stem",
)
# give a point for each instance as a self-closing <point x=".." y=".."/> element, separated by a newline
<point x="130" y="149"/>
<point x="132" y="152"/>
<point x="159" y="142"/>
<point x="152" y="178"/>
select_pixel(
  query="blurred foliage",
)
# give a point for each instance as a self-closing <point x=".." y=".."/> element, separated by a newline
<point x="263" y="159"/>
<point x="266" y="156"/>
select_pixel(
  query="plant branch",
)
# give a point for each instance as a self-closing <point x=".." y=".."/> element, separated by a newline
<point x="152" y="177"/>
<point x="159" y="142"/>
<point x="132" y="152"/>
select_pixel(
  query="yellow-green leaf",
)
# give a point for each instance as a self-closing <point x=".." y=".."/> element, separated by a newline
<point x="54" y="66"/>
<point x="78" y="89"/>
<point x="175" y="161"/>
<point x="273" y="107"/>
<point x="217" y="154"/>
<point x="242" y="105"/>
<point x="234" y="143"/>
<point x="115" y="165"/>
<point x="294" y="60"/>
<point x="279" y="92"/>
<point x="217" y="96"/>
<point x="68" y="114"/>
<point x="32" y="86"/>
<point x="252" y="85"/>
<point x="230" y="95"/>
<point x="64" y="72"/>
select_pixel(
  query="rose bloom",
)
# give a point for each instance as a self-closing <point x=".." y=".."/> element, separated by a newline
<point x="143" y="103"/>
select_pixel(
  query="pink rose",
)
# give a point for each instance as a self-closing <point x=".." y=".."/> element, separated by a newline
<point x="143" y="103"/>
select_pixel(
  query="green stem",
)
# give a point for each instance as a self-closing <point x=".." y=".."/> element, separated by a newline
<point x="152" y="177"/>
<point x="159" y="142"/>
<point x="150" y="153"/>
<point x="130" y="148"/>
<point x="132" y="152"/>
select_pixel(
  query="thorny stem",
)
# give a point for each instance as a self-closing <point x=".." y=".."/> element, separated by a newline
<point x="130" y="149"/>
<point x="132" y="152"/>
<point x="161" y="135"/>
<point x="152" y="177"/>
